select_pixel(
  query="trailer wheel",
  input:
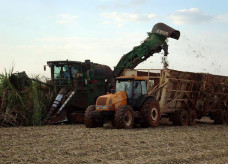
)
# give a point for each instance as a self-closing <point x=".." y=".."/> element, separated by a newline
<point x="151" y="113"/>
<point x="199" y="115"/>
<point x="124" y="117"/>
<point x="174" y="117"/>
<point x="192" y="118"/>
<point x="219" y="117"/>
<point x="227" y="117"/>
<point x="183" y="118"/>
<point x="90" y="122"/>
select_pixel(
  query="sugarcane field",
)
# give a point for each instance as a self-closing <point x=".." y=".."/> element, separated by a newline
<point x="203" y="143"/>
<point x="133" y="81"/>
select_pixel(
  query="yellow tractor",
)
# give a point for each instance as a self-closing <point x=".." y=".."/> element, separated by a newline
<point x="127" y="105"/>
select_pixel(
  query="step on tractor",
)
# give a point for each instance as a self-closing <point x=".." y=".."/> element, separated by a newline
<point x="125" y="106"/>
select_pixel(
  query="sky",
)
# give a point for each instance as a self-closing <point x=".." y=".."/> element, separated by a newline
<point x="33" y="32"/>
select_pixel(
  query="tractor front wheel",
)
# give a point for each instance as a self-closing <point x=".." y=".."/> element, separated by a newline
<point x="124" y="117"/>
<point x="90" y="122"/>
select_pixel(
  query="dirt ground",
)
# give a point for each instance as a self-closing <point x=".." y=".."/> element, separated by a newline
<point x="204" y="143"/>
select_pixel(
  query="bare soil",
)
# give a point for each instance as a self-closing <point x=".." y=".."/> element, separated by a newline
<point x="203" y="143"/>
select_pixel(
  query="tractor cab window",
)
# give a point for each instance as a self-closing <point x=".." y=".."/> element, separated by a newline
<point x="124" y="85"/>
<point x="144" y="87"/>
<point x="137" y="89"/>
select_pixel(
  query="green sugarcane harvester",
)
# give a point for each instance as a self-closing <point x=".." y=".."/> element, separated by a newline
<point x="79" y="84"/>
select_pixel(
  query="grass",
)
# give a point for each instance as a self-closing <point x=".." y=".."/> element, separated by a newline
<point x="24" y="106"/>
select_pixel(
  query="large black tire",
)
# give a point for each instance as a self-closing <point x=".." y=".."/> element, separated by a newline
<point x="150" y="113"/>
<point x="174" y="117"/>
<point x="226" y="116"/>
<point x="219" y="117"/>
<point x="183" y="118"/>
<point x="192" y="118"/>
<point x="124" y="117"/>
<point x="89" y="121"/>
<point x="199" y="115"/>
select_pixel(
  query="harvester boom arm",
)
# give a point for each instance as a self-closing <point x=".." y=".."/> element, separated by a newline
<point x="154" y="43"/>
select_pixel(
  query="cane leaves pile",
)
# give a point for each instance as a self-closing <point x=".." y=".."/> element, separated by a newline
<point x="22" y="104"/>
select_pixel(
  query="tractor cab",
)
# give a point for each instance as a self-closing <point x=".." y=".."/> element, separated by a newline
<point x="135" y="88"/>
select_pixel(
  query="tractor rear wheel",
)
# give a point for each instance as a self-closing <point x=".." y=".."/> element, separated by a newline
<point x="151" y="113"/>
<point x="124" y="117"/>
<point x="90" y="122"/>
<point x="192" y="118"/>
<point x="174" y="117"/>
<point x="183" y="118"/>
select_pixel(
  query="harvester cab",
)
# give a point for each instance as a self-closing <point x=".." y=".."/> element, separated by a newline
<point x="64" y="73"/>
<point x="128" y="105"/>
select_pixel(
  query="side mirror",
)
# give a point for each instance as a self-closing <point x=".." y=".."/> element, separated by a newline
<point x="44" y="67"/>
